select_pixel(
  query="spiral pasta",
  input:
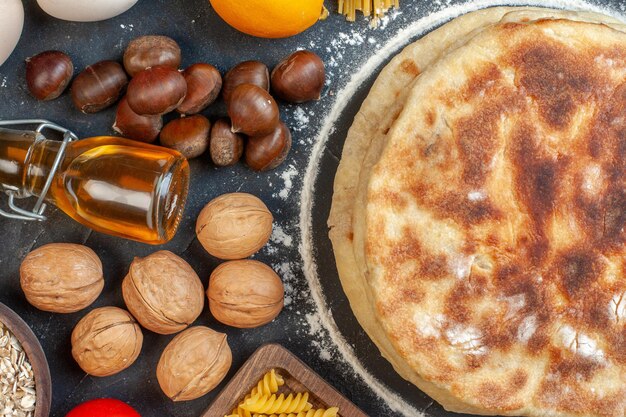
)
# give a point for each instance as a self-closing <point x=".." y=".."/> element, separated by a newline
<point x="264" y="404"/>
<point x="267" y="386"/>
<point x="331" y="412"/>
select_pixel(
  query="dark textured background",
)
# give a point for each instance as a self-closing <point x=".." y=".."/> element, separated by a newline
<point x="203" y="37"/>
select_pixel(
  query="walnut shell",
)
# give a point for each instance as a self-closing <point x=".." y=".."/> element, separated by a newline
<point x="106" y="341"/>
<point x="193" y="363"/>
<point x="61" y="277"/>
<point x="234" y="226"/>
<point x="245" y="294"/>
<point x="163" y="292"/>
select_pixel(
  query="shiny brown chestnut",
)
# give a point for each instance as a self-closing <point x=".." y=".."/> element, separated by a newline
<point x="267" y="152"/>
<point x="48" y="74"/>
<point x="247" y="72"/>
<point x="156" y="90"/>
<point x="133" y="126"/>
<point x="150" y="51"/>
<point x="299" y="77"/>
<point x="204" y="83"/>
<point x="187" y="135"/>
<point x="99" y="86"/>
<point x="226" y="147"/>
<point x="252" y="111"/>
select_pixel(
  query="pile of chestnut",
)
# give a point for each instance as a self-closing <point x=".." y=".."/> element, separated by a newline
<point x="157" y="87"/>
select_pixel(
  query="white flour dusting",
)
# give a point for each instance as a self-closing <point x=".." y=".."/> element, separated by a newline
<point x="466" y="339"/>
<point x="427" y="325"/>
<point x="617" y="307"/>
<point x="391" y="15"/>
<point x="301" y="118"/>
<point x="279" y="236"/>
<point x="285" y="272"/>
<point x="322" y="344"/>
<point x="321" y="322"/>
<point x="580" y="344"/>
<point x="527" y="329"/>
<point x="287" y="177"/>
<point x="3" y="83"/>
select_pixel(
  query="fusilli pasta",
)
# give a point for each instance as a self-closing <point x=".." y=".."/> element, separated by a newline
<point x="263" y="402"/>
<point x="276" y="405"/>
<point x="267" y="386"/>
<point x="331" y="412"/>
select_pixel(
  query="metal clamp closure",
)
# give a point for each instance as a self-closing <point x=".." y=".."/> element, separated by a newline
<point x="37" y="212"/>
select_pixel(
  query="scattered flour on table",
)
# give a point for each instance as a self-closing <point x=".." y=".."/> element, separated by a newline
<point x="353" y="38"/>
<point x="301" y="118"/>
<point x="285" y="271"/>
<point x="280" y="237"/>
<point x="441" y="3"/>
<point x="322" y="344"/>
<point x="329" y="341"/>
<point x="287" y="176"/>
<point x="128" y="28"/>
<point x="390" y="16"/>
<point x="3" y="82"/>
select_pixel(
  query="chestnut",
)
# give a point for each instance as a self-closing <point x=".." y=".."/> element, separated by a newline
<point x="48" y="74"/>
<point x="252" y="111"/>
<point x="226" y="147"/>
<point x="133" y="126"/>
<point x="204" y="83"/>
<point x="247" y="72"/>
<point x="156" y="90"/>
<point x="267" y="152"/>
<point x="299" y="77"/>
<point x="187" y="135"/>
<point x="98" y="86"/>
<point x="150" y="51"/>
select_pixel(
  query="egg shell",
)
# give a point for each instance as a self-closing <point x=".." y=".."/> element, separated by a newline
<point x="85" y="10"/>
<point x="11" y="24"/>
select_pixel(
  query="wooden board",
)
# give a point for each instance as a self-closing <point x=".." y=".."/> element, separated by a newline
<point x="298" y="378"/>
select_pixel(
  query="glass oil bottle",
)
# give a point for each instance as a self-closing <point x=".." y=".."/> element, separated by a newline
<point x="124" y="188"/>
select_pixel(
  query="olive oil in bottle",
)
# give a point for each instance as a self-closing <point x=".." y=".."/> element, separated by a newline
<point x="112" y="185"/>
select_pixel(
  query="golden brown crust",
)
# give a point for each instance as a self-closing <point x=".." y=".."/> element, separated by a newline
<point x="496" y="218"/>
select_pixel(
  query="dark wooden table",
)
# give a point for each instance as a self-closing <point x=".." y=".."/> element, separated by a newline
<point x="205" y="38"/>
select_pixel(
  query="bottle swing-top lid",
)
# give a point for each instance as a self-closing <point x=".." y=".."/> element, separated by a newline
<point x="37" y="212"/>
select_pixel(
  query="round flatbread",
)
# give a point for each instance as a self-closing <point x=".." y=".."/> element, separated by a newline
<point x="493" y="227"/>
<point x="365" y="142"/>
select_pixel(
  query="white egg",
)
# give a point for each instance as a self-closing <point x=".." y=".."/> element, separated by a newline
<point x="11" y="24"/>
<point x="85" y="10"/>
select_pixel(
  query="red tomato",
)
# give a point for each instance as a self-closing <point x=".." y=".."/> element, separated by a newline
<point x="103" y="408"/>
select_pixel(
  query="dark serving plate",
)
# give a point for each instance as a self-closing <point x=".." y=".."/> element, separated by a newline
<point x="205" y="38"/>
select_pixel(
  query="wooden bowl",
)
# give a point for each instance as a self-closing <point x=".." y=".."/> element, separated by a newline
<point x="35" y="355"/>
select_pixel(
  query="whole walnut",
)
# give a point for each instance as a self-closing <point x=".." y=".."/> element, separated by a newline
<point x="234" y="226"/>
<point x="106" y="341"/>
<point x="193" y="363"/>
<point x="61" y="277"/>
<point x="245" y="294"/>
<point x="163" y="292"/>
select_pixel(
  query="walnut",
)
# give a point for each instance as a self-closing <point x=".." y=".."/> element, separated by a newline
<point x="245" y="294"/>
<point x="61" y="277"/>
<point x="194" y="363"/>
<point x="163" y="292"/>
<point x="234" y="226"/>
<point x="106" y="341"/>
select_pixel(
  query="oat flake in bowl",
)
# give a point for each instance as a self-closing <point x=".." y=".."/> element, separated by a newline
<point x="17" y="379"/>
